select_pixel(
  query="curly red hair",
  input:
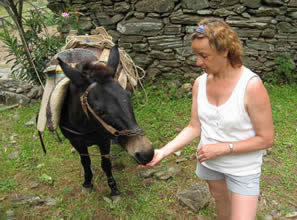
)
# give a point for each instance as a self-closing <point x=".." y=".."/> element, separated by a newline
<point x="221" y="37"/>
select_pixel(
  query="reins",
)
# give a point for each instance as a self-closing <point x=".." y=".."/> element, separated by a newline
<point x="85" y="106"/>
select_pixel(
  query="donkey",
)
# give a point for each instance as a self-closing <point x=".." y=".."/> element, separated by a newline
<point x="95" y="111"/>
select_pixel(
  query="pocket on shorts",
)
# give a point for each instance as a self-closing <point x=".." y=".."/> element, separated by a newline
<point x="207" y="174"/>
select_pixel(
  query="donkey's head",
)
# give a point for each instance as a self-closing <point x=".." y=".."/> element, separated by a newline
<point x="108" y="105"/>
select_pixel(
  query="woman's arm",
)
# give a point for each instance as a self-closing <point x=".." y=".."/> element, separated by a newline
<point x="258" y="107"/>
<point x="188" y="134"/>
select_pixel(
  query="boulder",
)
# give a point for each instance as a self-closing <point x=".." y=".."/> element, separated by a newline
<point x="196" y="198"/>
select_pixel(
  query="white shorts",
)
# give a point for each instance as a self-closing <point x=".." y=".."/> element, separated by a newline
<point x="243" y="185"/>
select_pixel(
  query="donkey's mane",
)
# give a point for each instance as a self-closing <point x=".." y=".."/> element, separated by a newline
<point x="98" y="72"/>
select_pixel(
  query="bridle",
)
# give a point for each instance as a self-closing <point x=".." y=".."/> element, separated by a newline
<point x="85" y="106"/>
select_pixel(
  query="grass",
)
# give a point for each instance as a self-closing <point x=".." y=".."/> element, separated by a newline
<point x="59" y="174"/>
<point x="28" y="5"/>
<point x="280" y="174"/>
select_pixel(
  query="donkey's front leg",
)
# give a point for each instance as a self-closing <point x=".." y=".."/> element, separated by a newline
<point x="86" y="163"/>
<point x="106" y="166"/>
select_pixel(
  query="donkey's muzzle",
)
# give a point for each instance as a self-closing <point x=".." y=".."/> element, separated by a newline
<point x="144" y="157"/>
<point x="139" y="147"/>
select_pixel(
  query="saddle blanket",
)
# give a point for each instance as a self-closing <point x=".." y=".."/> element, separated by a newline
<point x="52" y="101"/>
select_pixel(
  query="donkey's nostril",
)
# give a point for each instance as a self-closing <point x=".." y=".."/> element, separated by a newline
<point x="137" y="155"/>
<point x="144" y="157"/>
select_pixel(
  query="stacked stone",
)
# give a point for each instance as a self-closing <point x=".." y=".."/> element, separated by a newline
<point x="18" y="92"/>
<point x="156" y="33"/>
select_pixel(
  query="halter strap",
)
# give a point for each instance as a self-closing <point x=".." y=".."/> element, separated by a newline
<point x="85" y="106"/>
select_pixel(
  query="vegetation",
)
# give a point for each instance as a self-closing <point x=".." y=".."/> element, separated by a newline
<point x="42" y="47"/>
<point x="285" y="72"/>
<point x="27" y="5"/>
<point x="15" y="11"/>
<point x="59" y="174"/>
<point x="286" y="69"/>
<point x="33" y="47"/>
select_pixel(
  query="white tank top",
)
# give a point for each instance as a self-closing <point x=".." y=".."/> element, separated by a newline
<point x="228" y="122"/>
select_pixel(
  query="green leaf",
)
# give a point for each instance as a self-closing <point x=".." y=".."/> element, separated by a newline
<point x="46" y="178"/>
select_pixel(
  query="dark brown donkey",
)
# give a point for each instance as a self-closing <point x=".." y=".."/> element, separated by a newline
<point x="96" y="110"/>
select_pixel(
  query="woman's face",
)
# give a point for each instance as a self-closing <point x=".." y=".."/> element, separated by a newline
<point x="208" y="58"/>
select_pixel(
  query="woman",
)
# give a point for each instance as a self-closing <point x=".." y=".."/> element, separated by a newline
<point x="231" y="113"/>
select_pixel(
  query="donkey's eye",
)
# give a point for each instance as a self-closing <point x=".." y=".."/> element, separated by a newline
<point x="101" y="112"/>
<point x="128" y="93"/>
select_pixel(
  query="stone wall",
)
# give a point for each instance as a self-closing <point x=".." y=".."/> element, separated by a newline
<point x="155" y="33"/>
<point x="18" y="92"/>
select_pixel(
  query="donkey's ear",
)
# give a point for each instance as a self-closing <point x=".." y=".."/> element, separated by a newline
<point x="73" y="74"/>
<point x="114" y="59"/>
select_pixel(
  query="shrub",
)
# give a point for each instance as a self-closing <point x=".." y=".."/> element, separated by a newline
<point x="285" y="72"/>
<point x="286" y="69"/>
<point x="66" y="21"/>
<point x="41" y="45"/>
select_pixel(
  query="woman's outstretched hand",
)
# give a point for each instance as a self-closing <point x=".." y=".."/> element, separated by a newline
<point x="158" y="156"/>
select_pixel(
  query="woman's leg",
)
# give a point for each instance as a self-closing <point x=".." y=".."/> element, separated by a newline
<point x="243" y="207"/>
<point x="218" y="189"/>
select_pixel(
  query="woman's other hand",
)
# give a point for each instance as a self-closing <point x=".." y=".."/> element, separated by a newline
<point x="211" y="151"/>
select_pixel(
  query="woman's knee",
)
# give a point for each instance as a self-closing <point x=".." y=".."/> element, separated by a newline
<point x="218" y="189"/>
<point x="218" y="195"/>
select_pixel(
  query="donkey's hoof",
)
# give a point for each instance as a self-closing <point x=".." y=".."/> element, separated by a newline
<point x="87" y="188"/>
<point x="90" y="185"/>
<point x="116" y="198"/>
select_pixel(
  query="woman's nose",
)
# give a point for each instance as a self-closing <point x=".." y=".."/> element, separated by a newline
<point x="199" y="61"/>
